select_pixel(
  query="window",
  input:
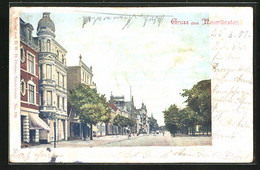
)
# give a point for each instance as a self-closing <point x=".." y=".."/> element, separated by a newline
<point x="41" y="98"/>
<point x="29" y="34"/>
<point x="40" y="45"/>
<point x="62" y="80"/>
<point x="31" y="93"/>
<point x="63" y="60"/>
<point x="58" y="54"/>
<point x="63" y="103"/>
<point x="30" y="63"/>
<point x="58" y="101"/>
<point x="48" y="45"/>
<point x="23" y="87"/>
<point x="40" y="72"/>
<point x="22" y="55"/>
<point x="58" y="79"/>
<point x="49" y="98"/>
<point x="49" y="71"/>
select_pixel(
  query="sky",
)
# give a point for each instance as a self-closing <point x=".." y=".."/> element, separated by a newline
<point x="156" y="61"/>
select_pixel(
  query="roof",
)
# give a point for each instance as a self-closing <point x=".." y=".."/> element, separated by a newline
<point x="46" y="22"/>
<point x="23" y="25"/>
<point x="113" y="106"/>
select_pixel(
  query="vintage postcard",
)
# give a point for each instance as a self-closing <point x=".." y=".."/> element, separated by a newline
<point x="131" y="85"/>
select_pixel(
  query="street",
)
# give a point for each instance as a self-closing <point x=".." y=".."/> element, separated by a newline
<point x="141" y="140"/>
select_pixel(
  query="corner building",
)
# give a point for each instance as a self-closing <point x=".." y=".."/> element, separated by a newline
<point x="31" y="124"/>
<point x="52" y="80"/>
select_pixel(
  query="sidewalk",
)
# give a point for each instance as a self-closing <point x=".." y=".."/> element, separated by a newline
<point x="87" y="143"/>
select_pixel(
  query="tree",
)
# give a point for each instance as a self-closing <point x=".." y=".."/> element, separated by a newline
<point x="188" y="119"/>
<point x="119" y="121"/>
<point x="105" y="114"/>
<point x="122" y="121"/>
<point x="153" y="125"/>
<point x="199" y="100"/>
<point x="171" y="118"/>
<point x="88" y="104"/>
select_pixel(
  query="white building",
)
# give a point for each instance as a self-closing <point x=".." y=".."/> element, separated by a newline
<point x="52" y="80"/>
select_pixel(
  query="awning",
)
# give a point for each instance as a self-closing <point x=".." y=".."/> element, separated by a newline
<point x="37" y="123"/>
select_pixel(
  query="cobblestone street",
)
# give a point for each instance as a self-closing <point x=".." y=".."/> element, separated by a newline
<point x="141" y="140"/>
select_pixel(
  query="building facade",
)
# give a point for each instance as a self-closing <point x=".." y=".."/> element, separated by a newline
<point x="113" y="129"/>
<point x="52" y="80"/>
<point x="32" y="126"/>
<point x="143" y="124"/>
<point x="76" y="76"/>
<point x="126" y="109"/>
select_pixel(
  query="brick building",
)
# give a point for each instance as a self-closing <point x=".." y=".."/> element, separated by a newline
<point x="32" y="126"/>
<point x="77" y="75"/>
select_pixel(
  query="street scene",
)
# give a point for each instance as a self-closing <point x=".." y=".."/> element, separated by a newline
<point x="75" y="95"/>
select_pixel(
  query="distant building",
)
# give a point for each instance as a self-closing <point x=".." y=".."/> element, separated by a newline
<point x="52" y="80"/>
<point x="113" y="129"/>
<point x="143" y="125"/>
<point x="125" y="108"/>
<point x="77" y="75"/>
<point x="32" y="126"/>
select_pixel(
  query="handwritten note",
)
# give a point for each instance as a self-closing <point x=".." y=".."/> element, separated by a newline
<point x="127" y="19"/>
<point x="232" y="84"/>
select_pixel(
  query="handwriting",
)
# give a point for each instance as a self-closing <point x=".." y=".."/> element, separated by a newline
<point x="31" y="155"/>
<point x="127" y="19"/>
<point x="233" y="80"/>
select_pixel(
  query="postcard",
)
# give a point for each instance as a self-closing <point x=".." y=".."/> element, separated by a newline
<point x="131" y="85"/>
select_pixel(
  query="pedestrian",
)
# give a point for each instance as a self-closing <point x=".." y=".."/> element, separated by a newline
<point x="128" y="134"/>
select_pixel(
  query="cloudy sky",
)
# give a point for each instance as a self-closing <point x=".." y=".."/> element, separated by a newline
<point x="156" y="61"/>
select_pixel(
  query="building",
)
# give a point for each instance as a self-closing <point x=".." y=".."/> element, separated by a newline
<point x="52" y="80"/>
<point x="32" y="126"/>
<point x="76" y="76"/>
<point x="80" y="74"/>
<point x="113" y="129"/>
<point x="143" y="125"/>
<point x="126" y="109"/>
